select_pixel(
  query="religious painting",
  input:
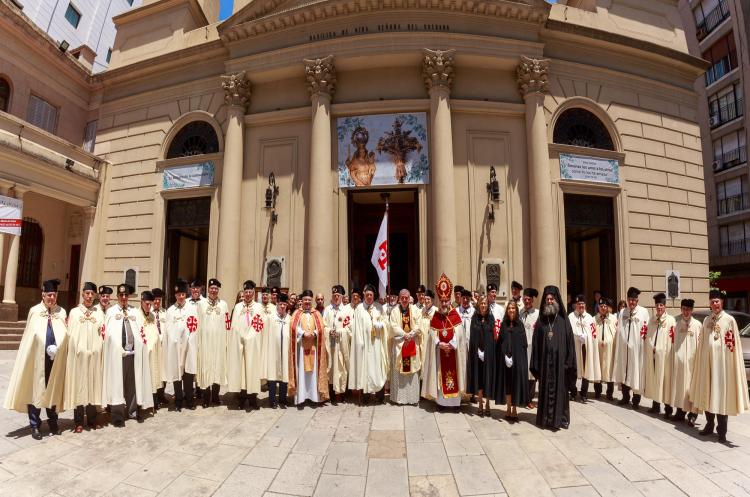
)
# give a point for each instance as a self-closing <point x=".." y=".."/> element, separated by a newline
<point x="383" y="149"/>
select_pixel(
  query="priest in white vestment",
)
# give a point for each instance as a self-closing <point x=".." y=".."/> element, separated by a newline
<point x="686" y="338"/>
<point x="76" y="378"/>
<point x="628" y="369"/>
<point x="277" y="353"/>
<point x="657" y="357"/>
<point x="406" y="358"/>
<point x="337" y="319"/>
<point x="718" y="386"/>
<point x="246" y="348"/>
<point x="528" y="314"/>
<point x="179" y="347"/>
<point x="127" y="375"/>
<point x="368" y="356"/>
<point x="606" y="335"/>
<point x="214" y="326"/>
<point x="587" y="348"/>
<point x="45" y="329"/>
<point x="308" y="359"/>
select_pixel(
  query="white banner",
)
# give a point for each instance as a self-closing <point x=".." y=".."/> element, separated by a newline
<point x="580" y="167"/>
<point x="189" y="176"/>
<point x="379" y="257"/>
<point x="10" y="215"/>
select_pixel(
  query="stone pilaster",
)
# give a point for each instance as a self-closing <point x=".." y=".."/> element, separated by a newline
<point x="9" y="308"/>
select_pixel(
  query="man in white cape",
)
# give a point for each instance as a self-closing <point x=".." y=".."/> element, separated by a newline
<point x="153" y="342"/>
<point x="337" y="319"/>
<point x="628" y="369"/>
<point x="587" y="349"/>
<point x="606" y="336"/>
<point x="160" y="318"/>
<point x="368" y="355"/>
<point x="179" y="344"/>
<point x="657" y="357"/>
<point x="277" y="353"/>
<point x="686" y="338"/>
<point x="127" y="373"/>
<point x="45" y="329"/>
<point x="214" y="327"/>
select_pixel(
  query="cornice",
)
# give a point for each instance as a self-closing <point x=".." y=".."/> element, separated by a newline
<point x="155" y="8"/>
<point x="266" y="21"/>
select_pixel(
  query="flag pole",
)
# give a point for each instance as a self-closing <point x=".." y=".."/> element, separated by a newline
<point x="385" y="196"/>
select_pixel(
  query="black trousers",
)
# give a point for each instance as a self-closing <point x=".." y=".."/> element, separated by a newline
<point x="35" y="421"/>
<point x="130" y="408"/>
<point x="721" y="425"/>
<point x="273" y="388"/>
<point x="598" y="388"/>
<point x="90" y="415"/>
<point x="183" y="390"/>
<point x="211" y="394"/>
<point x="626" y="395"/>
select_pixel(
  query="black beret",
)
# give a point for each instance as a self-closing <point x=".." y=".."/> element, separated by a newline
<point x="465" y="293"/>
<point x="660" y="298"/>
<point x="105" y="290"/>
<point x="248" y="285"/>
<point x="357" y="291"/>
<point x="458" y="289"/>
<point x="196" y="284"/>
<point x="516" y="285"/>
<point x="89" y="286"/>
<point x="214" y="282"/>
<point x="50" y="285"/>
<point x="126" y="289"/>
<point x="606" y="301"/>
<point x="633" y="292"/>
<point x="181" y="286"/>
<point x="429" y="293"/>
<point x="282" y="297"/>
<point x="420" y="289"/>
<point x="715" y="294"/>
<point x="491" y="286"/>
<point x="158" y="293"/>
<point x="306" y="293"/>
<point x="338" y="289"/>
<point x="531" y="292"/>
<point x="147" y="295"/>
<point x="370" y="288"/>
<point x="687" y="303"/>
<point x="275" y="289"/>
<point x="580" y="298"/>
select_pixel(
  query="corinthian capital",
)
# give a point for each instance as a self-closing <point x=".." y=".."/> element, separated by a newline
<point x="532" y="75"/>
<point x="236" y="89"/>
<point x="437" y="68"/>
<point x="320" y="75"/>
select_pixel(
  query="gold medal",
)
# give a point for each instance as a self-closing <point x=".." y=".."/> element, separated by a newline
<point x="717" y="331"/>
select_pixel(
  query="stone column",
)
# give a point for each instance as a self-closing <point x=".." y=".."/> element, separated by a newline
<point x="437" y="70"/>
<point x="237" y="97"/>
<point x="545" y="264"/>
<point x="320" y="257"/>
<point x="9" y="309"/>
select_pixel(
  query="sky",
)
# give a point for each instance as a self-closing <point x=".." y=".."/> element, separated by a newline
<point x="225" y="9"/>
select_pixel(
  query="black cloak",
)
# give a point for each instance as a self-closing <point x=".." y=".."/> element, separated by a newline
<point x="480" y="375"/>
<point x="553" y="363"/>
<point x="513" y="344"/>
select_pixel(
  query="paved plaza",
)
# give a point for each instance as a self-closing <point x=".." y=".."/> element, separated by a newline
<point x="386" y="451"/>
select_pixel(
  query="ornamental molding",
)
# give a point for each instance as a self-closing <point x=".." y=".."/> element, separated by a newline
<point x="320" y="75"/>
<point x="532" y="75"/>
<point x="266" y="18"/>
<point x="236" y="90"/>
<point x="437" y="69"/>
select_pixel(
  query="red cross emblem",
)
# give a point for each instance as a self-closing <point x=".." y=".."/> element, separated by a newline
<point x="671" y="333"/>
<point x="227" y="321"/>
<point x="257" y="323"/>
<point x="496" y="329"/>
<point x="729" y="340"/>
<point x="346" y="322"/>
<point x="102" y="331"/>
<point x="383" y="256"/>
<point x="192" y="324"/>
<point x="593" y="330"/>
<point x="644" y="329"/>
<point x="143" y="336"/>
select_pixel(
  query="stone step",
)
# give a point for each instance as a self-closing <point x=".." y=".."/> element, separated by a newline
<point x="11" y="331"/>
<point x="12" y="325"/>
<point x="9" y="345"/>
<point x="11" y="338"/>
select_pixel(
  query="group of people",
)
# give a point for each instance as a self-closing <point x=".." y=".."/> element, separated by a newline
<point x="445" y="346"/>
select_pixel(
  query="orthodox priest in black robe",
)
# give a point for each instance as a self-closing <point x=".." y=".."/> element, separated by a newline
<point x="553" y="361"/>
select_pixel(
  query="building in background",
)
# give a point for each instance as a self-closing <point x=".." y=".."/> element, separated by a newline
<point x="717" y="31"/>
<point x="85" y="25"/>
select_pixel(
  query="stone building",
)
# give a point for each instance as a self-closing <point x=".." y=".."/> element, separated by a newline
<point x="517" y="140"/>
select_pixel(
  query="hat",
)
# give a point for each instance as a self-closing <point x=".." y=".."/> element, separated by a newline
<point x="88" y="286"/>
<point x="458" y="289"/>
<point x="196" y="284"/>
<point x="465" y="293"/>
<point x="516" y="285"/>
<point x="50" y="285"/>
<point x="633" y="292"/>
<point x="282" y="297"/>
<point x="125" y="289"/>
<point x="275" y="289"/>
<point x="444" y="287"/>
<point x="531" y="292"/>
<point x="687" y="303"/>
<point x="306" y="293"/>
<point x="181" y="286"/>
<point x="147" y="295"/>
<point x="491" y="286"/>
<point x="660" y="298"/>
<point x="580" y="298"/>
<point x="715" y="294"/>
<point x="214" y="282"/>
<point x="338" y="289"/>
<point x="262" y="289"/>
<point x="429" y="293"/>
<point x="158" y="293"/>
<point x="357" y="291"/>
<point x="420" y="289"/>
<point x="607" y="301"/>
<point x="248" y="285"/>
<point x="370" y="288"/>
<point x="105" y="290"/>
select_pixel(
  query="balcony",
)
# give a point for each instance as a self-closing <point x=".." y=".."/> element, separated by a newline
<point x="720" y="68"/>
<point x="733" y="204"/>
<point x="730" y="159"/>
<point x="712" y="20"/>
<point x="727" y="112"/>
<point x="734" y="247"/>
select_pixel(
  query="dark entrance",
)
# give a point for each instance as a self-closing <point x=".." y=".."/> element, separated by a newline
<point x="186" y="250"/>
<point x="74" y="290"/>
<point x="366" y="210"/>
<point x="590" y="246"/>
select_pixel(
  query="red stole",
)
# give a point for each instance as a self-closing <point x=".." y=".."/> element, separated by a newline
<point x="444" y="326"/>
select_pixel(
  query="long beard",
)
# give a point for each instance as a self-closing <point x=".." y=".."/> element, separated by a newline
<point x="445" y="309"/>
<point x="551" y="309"/>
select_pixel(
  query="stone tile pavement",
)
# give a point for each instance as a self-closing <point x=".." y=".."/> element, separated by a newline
<point x="387" y="451"/>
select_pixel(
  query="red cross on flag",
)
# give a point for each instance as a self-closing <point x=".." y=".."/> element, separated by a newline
<point x="379" y="257"/>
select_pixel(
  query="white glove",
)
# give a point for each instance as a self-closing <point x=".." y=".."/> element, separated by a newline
<point x="52" y="351"/>
<point x="582" y="338"/>
<point x="508" y="361"/>
<point x="480" y="353"/>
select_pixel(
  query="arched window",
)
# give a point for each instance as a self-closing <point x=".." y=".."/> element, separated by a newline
<point x="30" y="255"/>
<point x="196" y="138"/>
<point x="581" y="128"/>
<point x="4" y="95"/>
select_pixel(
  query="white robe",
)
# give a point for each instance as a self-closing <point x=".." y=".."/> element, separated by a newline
<point x="466" y="315"/>
<point x="178" y="355"/>
<point x="161" y="317"/>
<point x="246" y="348"/>
<point x="657" y="358"/>
<point x="112" y="387"/>
<point x="432" y="374"/>
<point x="405" y="387"/>
<point x="584" y="329"/>
<point x="153" y="344"/>
<point x="685" y="344"/>
<point x="606" y="335"/>
<point x="277" y="352"/>
<point x="307" y="382"/>
<point x="338" y="319"/>
<point x="498" y="311"/>
<point x="628" y="369"/>
<point x="368" y="357"/>
<point x="213" y="328"/>
<point x="425" y="316"/>
<point x="529" y="318"/>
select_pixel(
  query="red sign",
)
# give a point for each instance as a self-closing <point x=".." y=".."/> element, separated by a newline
<point x="192" y="324"/>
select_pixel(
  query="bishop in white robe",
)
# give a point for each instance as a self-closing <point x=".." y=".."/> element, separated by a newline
<point x="368" y="356"/>
<point x="657" y="357"/>
<point x="308" y="359"/>
<point x="214" y="327"/>
<point x="628" y="369"/>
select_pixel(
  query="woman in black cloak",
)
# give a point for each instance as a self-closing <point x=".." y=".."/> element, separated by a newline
<point x="513" y="363"/>
<point x="480" y="364"/>
<point x="553" y="361"/>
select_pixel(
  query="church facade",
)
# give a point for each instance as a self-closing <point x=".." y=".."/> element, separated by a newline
<point x="510" y="140"/>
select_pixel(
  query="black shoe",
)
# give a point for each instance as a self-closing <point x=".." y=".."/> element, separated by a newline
<point x="35" y="433"/>
<point x="573" y="396"/>
<point x="53" y="428"/>
<point x="691" y="418"/>
<point x="722" y="438"/>
<point x="623" y="401"/>
<point x="274" y="405"/>
<point x="597" y="395"/>
<point x="636" y="407"/>
<point x="178" y="406"/>
<point x="282" y="405"/>
<point x="654" y="409"/>
<point x="300" y="406"/>
<point x="206" y="404"/>
<point x="707" y="430"/>
<point x="118" y="424"/>
<point x="139" y="418"/>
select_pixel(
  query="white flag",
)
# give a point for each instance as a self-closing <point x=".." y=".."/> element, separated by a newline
<point x="380" y="255"/>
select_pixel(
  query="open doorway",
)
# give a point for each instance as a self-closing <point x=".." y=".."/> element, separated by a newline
<point x="590" y="246"/>
<point x="186" y="243"/>
<point x="365" y="213"/>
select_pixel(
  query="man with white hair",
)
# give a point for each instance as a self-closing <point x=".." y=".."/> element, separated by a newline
<point x="632" y="331"/>
<point x="406" y="360"/>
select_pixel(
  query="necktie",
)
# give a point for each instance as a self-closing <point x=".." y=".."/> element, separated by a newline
<point x="50" y="339"/>
<point x="158" y="323"/>
<point x="127" y="333"/>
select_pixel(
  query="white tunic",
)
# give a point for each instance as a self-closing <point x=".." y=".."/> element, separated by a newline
<point x="277" y="355"/>
<point x="584" y="329"/>
<point x="339" y="319"/>
<point x="368" y="359"/>
<point x="307" y="382"/>
<point x="246" y="348"/>
<point x="214" y="326"/>
<point x="628" y="369"/>
<point x="178" y="355"/>
<point x="466" y="315"/>
<point x="528" y="318"/>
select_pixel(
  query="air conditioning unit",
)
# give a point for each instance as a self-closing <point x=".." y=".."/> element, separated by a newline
<point x="716" y="165"/>
<point x="713" y="120"/>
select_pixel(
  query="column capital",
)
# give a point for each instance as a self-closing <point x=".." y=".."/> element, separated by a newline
<point x="437" y="69"/>
<point x="321" y="76"/>
<point x="236" y="90"/>
<point x="531" y="75"/>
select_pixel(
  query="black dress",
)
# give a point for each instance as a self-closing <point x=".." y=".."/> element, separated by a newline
<point x="513" y="344"/>
<point x="480" y="375"/>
